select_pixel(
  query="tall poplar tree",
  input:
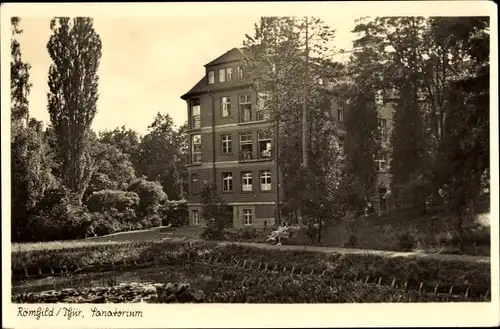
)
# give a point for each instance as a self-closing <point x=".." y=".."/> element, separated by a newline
<point x="20" y="85"/>
<point x="75" y="50"/>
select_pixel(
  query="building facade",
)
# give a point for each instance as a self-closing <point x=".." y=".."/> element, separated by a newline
<point x="231" y="144"/>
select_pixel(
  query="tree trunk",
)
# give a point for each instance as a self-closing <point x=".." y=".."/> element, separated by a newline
<point x="305" y="124"/>
<point x="460" y="229"/>
<point x="319" y="231"/>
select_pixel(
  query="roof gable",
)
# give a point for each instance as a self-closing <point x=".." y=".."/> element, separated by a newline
<point x="229" y="56"/>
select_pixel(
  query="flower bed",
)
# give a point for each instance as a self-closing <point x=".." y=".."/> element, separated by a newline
<point x="222" y="283"/>
<point x="464" y="277"/>
<point x="460" y="277"/>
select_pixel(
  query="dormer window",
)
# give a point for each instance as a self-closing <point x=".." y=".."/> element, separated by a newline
<point x="211" y="77"/>
<point x="222" y="75"/>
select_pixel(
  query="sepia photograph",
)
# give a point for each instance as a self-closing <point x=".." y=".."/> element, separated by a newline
<point x="257" y="159"/>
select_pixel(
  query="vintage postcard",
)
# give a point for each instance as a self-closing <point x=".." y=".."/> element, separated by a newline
<point x="274" y="164"/>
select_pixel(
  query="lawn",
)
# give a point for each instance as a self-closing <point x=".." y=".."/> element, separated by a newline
<point x="221" y="269"/>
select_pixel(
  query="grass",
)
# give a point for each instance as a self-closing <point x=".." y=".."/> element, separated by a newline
<point x="225" y="284"/>
<point x="430" y="233"/>
<point x="460" y="275"/>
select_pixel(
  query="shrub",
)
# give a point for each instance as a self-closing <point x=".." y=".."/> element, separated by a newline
<point x="212" y="233"/>
<point x="352" y="240"/>
<point x="102" y="224"/>
<point x="312" y="232"/>
<point x="174" y="213"/>
<point x="406" y="241"/>
<point x="246" y="234"/>
<point x="56" y="218"/>
<point x="107" y="199"/>
<point x="218" y="216"/>
<point x="150" y="195"/>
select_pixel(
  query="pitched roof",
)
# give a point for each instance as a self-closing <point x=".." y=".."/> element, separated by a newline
<point x="229" y="56"/>
<point x="202" y="86"/>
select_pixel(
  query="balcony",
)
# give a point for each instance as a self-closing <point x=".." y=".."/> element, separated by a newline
<point x="246" y="152"/>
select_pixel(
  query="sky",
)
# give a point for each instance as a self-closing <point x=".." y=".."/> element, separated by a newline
<point x="147" y="63"/>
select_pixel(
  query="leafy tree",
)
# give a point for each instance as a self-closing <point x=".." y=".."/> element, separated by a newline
<point x="150" y="194"/>
<point x="114" y="170"/>
<point x="162" y="156"/>
<point x="275" y="56"/>
<point x="126" y="140"/>
<point x="20" y="85"/>
<point x="30" y="158"/>
<point x="107" y="199"/>
<point x="215" y="212"/>
<point x="362" y="141"/>
<point x="75" y="49"/>
<point x="464" y="150"/>
<point x="31" y="177"/>
<point x="320" y="180"/>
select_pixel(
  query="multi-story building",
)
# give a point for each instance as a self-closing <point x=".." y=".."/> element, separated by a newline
<point x="231" y="144"/>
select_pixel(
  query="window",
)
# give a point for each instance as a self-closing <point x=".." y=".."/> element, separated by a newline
<point x="240" y="72"/>
<point x="246" y="146"/>
<point x="194" y="182"/>
<point x="262" y="106"/>
<point x="195" y="214"/>
<point x="229" y="74"/>
<point x="246" y="181"/>
<point x="382" y="164"/>
<point x="226" y="106"/>
<point x="195" y="113"/>
<point x="222" y="75"/>
<point x="382" y="126"/>
<point x="227" y="182"/>
<point x="341" y="114"/>
<point x="211" y="77"/>
<point x="265" y="180"/>
<point x="226" y="144"/>
<point x="264" y="140"/>
<point x="320" y="81"/>
<point x="245" y="107"/>
<point x="196" y="148"/>
<point x="247" y="216"/>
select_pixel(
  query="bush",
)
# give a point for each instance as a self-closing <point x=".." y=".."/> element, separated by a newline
<point x="246" y="234"/>
<point x="150" y="195"/>
<point x="406" y="242"/>
<point x="213" y="234"/>
<point x="106" y="200"/>
<point x="103" y="224"/>
<point x="56" y="218"/>
<point x="352" y="241"/>
<point x="174" y="213"/>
